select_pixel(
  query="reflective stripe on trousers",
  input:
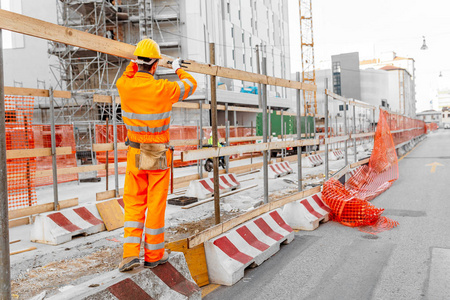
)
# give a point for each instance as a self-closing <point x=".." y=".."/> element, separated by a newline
<point x="145" y="190"/>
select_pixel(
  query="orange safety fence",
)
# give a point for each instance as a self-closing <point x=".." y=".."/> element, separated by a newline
<point x="64" y="137"/>
<point x="432" y="127"/>
<point x="349" y="203"/>
<point x="177" y="132"/>
<point x="100" y="137"/>
<point x="19" y="135"/>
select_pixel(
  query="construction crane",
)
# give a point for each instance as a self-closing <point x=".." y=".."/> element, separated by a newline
<point x="307" y="50"/>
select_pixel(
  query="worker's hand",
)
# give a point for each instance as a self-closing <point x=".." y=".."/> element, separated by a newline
<point x="176" y="64"/>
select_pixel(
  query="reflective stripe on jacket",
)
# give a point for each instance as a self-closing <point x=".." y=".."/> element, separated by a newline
<point x="147" y="103"/>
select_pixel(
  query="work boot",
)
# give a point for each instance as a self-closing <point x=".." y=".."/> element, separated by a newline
<point x="129" y="263"/>
<point x="153" y="264"/>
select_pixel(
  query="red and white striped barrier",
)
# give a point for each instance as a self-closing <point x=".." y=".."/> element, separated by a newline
<point x="307" y="213"/>
<point x="279" y="169"/>
<point x="250" y="243"/>
<point x="59" y="227"/>
<point x="336" y="155"/>
<point x="171" y="280"/>
<point x="204" y="188"/>
<point x="312" y="161"/>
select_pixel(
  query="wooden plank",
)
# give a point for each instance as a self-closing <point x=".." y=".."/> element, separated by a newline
<point x="195" y="258"/>
<point x="108" y="194"/>
<point x="23" y="250"/>
<point x="337" y="139"/>
<point x="335" y="96"/>
<point x="76" y="170"/>
<point x="41" y="208"/>
<point x="45" y="30"/>
<point x="108" y="147"/>
<point x="230" y="150"/>
<point x="13" y="242"/>
<point x="37" y="152"/>
<point x="62" y="94"/>
<point x="361" y="104"/>
<point x="300" y="195"/>
<point x="210" y="233"/>
<point x="111" y="214"/>
<point x="19" y="222"/>
<point x="361" y="135"/>
<point x="359" y="163"/>
<point x="20" y="91"/>
<point x="341" y="172"/>
<point x="102" y="98"/>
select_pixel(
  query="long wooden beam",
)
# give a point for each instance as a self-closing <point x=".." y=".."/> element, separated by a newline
<point x="231" y="150"/>
<point x="348" y="101"/>
<point x="52" y="32"/>
<point x="214" y="231"/>
<point x="41" y="208"/>
<point x="37" y="152"/>
<point x="19" y="91"/>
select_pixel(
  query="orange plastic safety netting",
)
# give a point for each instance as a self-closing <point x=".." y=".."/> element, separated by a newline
<point x="349" y="203"/>
<point x="19" y="136"/>
<point x="100" y="137"/>
<point x="64" y="137"/>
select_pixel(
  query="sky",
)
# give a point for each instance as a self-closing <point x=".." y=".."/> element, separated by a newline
<point x="373" y="27"/>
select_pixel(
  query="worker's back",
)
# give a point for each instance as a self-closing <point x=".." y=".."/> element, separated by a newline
<point x="147" y="103"/>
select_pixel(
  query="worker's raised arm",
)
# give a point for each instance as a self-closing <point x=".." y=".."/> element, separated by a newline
<point x="183" y="88"/>
<point x="131" y="69"/>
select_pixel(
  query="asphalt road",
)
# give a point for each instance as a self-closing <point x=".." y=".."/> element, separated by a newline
<point x="411" y="261"/>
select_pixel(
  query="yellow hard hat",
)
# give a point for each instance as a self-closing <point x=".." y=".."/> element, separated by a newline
<point x="148" y="48"/>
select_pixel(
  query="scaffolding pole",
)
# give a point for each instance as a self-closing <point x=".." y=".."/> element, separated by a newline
<point x="5" y="275"/>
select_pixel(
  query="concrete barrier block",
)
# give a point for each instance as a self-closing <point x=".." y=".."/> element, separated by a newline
<point x="204" y="188"/>
<point x="251" y="243"/>
<point x="55" y="228"/>
<point x="279" y="169"/>
<point x="307" y="213"/>
<point x="171" y="280"/>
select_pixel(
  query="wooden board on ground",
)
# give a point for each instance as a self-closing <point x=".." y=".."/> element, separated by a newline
<point x="37" y="209"/>
<point x="111" y="214"/>
<point x="195" y="258"/>
<point x="23" y="250"/>
<point x="108" y="194"/>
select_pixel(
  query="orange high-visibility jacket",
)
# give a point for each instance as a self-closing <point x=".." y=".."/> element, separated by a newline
<point x="147" y="103"/>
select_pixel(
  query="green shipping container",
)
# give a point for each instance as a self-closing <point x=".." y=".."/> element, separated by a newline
<point x="290" y="121"/>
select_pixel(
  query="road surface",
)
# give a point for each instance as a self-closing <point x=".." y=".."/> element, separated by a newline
<point x="411" y="261"/>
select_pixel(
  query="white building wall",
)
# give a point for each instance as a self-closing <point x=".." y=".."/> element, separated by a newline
<point x="29" y="62"/>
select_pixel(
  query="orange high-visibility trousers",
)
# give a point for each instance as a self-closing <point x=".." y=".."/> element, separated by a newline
<point x="145" y="191"/>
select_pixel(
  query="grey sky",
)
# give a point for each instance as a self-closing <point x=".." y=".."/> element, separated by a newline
<point x="370" y="27"/>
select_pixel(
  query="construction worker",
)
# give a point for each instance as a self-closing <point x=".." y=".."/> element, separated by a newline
<point x="146" y="110"/>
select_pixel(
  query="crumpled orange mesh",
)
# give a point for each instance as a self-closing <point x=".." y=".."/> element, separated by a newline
<point x="349" y="203"/>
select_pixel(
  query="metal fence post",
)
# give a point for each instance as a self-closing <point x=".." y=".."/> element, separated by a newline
<point x="299" y="137"/>
<point x="53" y="140"/>
<point x="212" y="61"/>
<point x="116" y="163"/>
<point x="265" y="153"/>
<point x="354" y="132"/>
<point x="345" y="133"/>
<point x="201" y="137"/>
<point x="282" y="134"/>
<point x="5" y="272"/>
<point x="227" y="135"/>
<point x="326" y="131"/>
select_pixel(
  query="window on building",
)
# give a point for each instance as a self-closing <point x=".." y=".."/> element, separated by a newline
<point x="243" y="59"/>
<point x="232" y="31"/>
<point x="232" y="54"/>
<point x="228" y="7"/>
<point x="239" y="14"/>
<point x="256" y="25"/>
<point x="250" y="41"/>
<point x="341" y="107"/>
<point x="243" y="38"/>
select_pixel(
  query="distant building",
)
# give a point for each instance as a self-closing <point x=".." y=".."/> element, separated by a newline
<point x="445" y="116"/>
<point x="431" y="116"/>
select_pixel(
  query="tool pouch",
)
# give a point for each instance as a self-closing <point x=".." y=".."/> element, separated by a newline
<point x="152" y="157"/>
